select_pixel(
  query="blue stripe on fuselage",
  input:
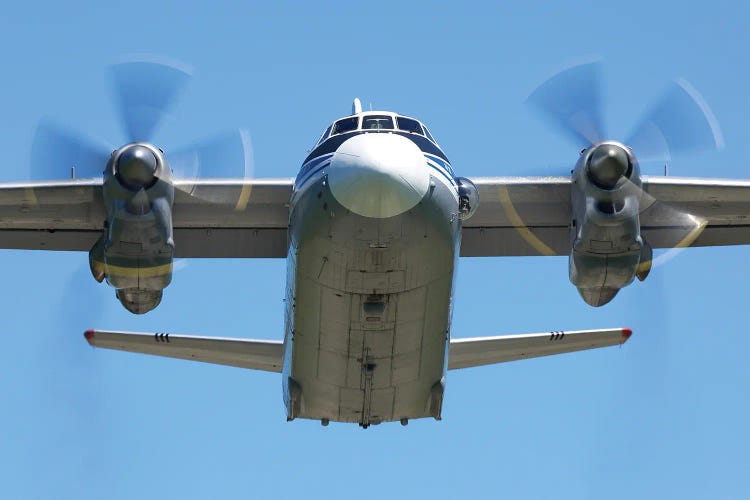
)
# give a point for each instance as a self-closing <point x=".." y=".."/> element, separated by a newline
<point x="315" y="165"/>
<point x="311" y="165"/>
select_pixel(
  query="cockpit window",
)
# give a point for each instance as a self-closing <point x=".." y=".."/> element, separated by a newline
<point x="428" y="134"/>
<point x="325" y="135"/>
<point x="345" y="125"/>
<point x="409" y="125"/>
<point x="377" y="122"/>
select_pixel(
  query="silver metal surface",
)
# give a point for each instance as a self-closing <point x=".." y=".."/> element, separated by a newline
<point x="514" y="216"/>
<point x="368" y="308"/>
<point x="265" y="355"/>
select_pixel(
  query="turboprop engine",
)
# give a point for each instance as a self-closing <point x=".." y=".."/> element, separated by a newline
<point x="607" y="250"/>
<point x="135" y="252"/>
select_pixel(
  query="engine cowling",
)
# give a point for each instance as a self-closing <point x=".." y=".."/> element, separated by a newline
<point x="607" y="250"/>
<point x="136" y="251"/>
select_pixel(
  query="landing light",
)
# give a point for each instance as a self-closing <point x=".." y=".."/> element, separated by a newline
<point x="468" y="198"/>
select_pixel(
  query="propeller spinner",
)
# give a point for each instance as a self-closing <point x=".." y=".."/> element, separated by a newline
<point x="136" y="166"/>
<point x="607" y="164"/>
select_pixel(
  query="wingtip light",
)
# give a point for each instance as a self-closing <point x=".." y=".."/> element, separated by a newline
<point x="89" y="334"/>
<point x="626" y="333"/>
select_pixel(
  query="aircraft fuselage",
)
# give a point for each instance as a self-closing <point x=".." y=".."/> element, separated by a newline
<point x="374" y="236"/>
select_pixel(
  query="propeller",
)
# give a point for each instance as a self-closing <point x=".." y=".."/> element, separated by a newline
<point x="572" y="100"/>
<point x="679" y="122"/>
<point x="229" y="155"/>
<point x="145" y="91"/>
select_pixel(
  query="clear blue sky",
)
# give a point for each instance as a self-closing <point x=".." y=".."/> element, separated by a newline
<point x="664" y="416"/>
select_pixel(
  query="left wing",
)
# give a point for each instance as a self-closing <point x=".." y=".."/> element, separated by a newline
<point x="465" y="353"/>
<point x="531" y="215"/>
<point x="265" y="355"/>
<point x="226" y="218"/>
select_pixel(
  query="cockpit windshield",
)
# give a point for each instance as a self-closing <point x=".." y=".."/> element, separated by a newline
<point x="428" y="134"/>
<point x="325" y="135"/>
<point x="345" y="125"/>
<point x="377" y="122"/>
<point x="409" y="125"/>
<point x="374" y="122"/>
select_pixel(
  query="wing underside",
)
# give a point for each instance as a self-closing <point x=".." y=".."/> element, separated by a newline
<point x="232" y="218"/>
<point x="517" y="216"/>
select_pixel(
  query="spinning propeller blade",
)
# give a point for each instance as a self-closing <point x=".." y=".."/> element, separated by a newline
<point x="572" y="100"/>
<point x="145" y="91"/>
<point x="680" y="122"/>
<point x="56" y="150"/>
<point x="226" y="156"/>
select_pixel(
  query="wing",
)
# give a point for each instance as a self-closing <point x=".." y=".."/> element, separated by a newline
<point x="465" y="353"/>
<point x="265" y="355"/>
<point x="239" y="218"/>
<point x="232" y="218"/>
<point x="531" y="215"/>
<point x="519" y="216"/>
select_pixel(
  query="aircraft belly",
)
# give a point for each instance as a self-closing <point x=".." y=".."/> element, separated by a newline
<point x="369" y="308"/>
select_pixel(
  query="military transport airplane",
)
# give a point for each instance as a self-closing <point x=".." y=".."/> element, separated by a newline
<point x="371" y="229"/>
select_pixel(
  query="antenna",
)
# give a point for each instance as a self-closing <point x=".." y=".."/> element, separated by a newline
<point x="356" y="106"/>
<point x="666" y="169"/>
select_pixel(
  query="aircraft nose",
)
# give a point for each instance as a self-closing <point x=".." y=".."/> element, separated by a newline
<point x="378" y="175"/>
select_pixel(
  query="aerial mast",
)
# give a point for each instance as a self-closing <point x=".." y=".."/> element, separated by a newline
<point x="356" y="106"/>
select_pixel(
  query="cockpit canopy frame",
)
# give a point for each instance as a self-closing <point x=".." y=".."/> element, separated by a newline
<point x="376" y="121"/>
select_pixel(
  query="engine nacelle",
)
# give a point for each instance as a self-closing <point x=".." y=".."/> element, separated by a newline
<point x="607" y="250"/>
<point x="136" y="250"/>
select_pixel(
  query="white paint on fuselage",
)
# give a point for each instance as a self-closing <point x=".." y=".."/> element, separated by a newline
<point x="378" y="175"/>
<point x="340" y="259"/>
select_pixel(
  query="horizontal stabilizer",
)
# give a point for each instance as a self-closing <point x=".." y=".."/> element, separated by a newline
<point x="465" y="353"/>
<point x="266" y="355"/>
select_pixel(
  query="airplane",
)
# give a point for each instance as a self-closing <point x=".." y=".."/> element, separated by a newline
<point x="372" y="229"/>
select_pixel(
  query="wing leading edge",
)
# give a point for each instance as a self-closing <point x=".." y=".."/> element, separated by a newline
<point x="517" y="216"/>
<point x="466" y="353"/>
<point x="221" y="218"/>
<point x="520" y="216"/>
<point x="264" y="355"/>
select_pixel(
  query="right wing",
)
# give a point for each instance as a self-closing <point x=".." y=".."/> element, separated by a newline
<point x="265" y="355"/>
<point x="465" y="353"/>
<point x="226" y="218"/>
